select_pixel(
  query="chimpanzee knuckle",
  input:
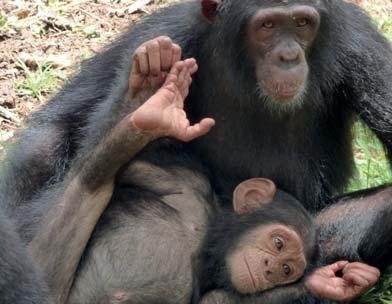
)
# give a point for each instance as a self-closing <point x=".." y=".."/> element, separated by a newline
<point x="176" y="52"/>
<point x="141" y="50"/>
<point x="152" y="46"/>
<point x="154" y="57"/>
<point x="165" y="42"/>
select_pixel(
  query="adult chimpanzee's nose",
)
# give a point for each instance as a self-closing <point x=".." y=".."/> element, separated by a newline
<point x="287" y="56"/>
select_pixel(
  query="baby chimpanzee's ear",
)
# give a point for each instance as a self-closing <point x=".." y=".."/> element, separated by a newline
<point x="210" y="8"/>
<point x="252" y="194"/>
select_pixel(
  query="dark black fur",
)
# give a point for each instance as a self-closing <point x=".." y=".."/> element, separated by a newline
<point x="225" y="231"/>
<point x="306" y="152"/>
<point x="19" y="282"/>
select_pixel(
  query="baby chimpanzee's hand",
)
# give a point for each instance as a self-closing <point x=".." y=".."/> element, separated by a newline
<point x="163" y="113"/>
<point x="357" y="278"/>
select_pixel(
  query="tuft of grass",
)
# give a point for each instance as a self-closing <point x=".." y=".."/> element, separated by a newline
<point x="379" y="294"/>
<point x="384" y="24"/>
<point x="90" y="31"/>
<point x="3" y="21"/>
<point x="370" y="160"/>
<point x="41" y="82"/>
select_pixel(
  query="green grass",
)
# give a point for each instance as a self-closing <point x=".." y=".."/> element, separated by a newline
<point x="384" y="24"/>
<point x="381" y="293"/>
<point x="40" y="82"/>
<point x="370" y="160"/>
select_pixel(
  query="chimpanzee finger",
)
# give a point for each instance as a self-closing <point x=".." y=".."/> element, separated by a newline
<point x="154" y="57"/>
<point x="136" y="78"/>
<point x="191" y="65"/>
<point x="176" y="53"/>
<point x="140" y="55"/>
<point x="357" y="265"/>
<point x="182" y="77"/>
<point x="370" y="277"/>
<point x="194" y="69"/>
<point x="337" y="266"/>
<point x="165" y="45"/>
<point x="185" y="87"/>
<point x="356" y="279"/>
<point x="175" y="71"/>
<point x="199" y="129"/>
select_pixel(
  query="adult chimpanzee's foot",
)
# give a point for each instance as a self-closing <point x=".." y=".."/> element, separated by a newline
<point x="151" y="63"/>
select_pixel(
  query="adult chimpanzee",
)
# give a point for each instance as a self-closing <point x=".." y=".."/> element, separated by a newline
<point x="283" y="81"/>
<point x="281" y="233"/>
<point x="19" y="281"/>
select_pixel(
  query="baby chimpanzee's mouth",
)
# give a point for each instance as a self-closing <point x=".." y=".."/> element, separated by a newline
<point x="252" y="279"/>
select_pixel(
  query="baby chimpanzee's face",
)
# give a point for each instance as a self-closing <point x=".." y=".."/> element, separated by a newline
<point x="266" y="256"/>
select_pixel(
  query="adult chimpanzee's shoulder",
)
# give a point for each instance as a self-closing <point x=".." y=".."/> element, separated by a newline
<point x="355" y="31"/>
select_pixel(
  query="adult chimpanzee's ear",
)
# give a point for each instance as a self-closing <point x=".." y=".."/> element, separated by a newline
<point x="210" y="8"/>
<point x="253" y="194"/>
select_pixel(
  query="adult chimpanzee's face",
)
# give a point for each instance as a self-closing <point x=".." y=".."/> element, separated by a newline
<point x="266" y="257"/>
<point x="279" y="38"/>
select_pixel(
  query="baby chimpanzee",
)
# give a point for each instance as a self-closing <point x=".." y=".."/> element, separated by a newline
<point x="269" y="240"/>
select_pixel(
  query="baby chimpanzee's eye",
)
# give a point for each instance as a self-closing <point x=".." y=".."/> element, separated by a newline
<point x="278" y="243"/>
<point x="286" y="269"/>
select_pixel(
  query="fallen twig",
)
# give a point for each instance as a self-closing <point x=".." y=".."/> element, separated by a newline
<point x="7" y="114"/>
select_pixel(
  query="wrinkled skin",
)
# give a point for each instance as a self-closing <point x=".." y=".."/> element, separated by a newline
<point x="269" y="256"/>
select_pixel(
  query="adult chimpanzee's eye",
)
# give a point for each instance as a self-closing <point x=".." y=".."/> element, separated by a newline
<point x="286" y="269"/>
<point x="302" y="22"/>
<point x="278" y="243"/>
<point x="268" y="24"/>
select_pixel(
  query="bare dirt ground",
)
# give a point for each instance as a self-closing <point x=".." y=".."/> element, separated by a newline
<point x="41" y="43"/>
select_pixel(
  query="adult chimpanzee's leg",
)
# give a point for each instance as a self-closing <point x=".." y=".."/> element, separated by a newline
<point x="78" y="202"/>
<point x="358" y="227"/>
<point x="19" y="282"/>
<point x="83" y="196"/>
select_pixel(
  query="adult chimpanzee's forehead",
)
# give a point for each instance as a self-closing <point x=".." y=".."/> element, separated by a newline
<point x="273" y="3"/>
<point x="246" y="8"/>
<point x="288" y="2"/>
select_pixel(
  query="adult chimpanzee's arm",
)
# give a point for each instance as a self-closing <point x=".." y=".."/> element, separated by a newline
<point x="358" y="228"/>
<point x="368" y="73"/>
